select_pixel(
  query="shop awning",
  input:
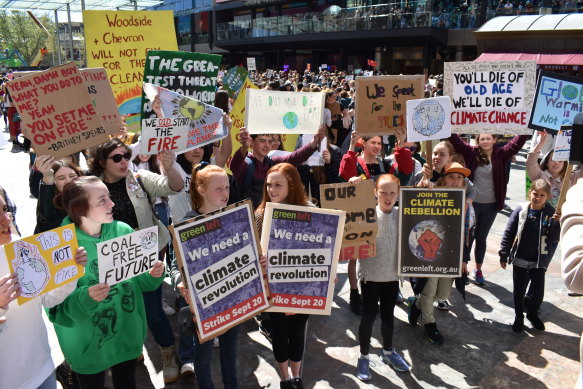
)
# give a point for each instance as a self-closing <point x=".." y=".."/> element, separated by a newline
<point x="544" y="61"/>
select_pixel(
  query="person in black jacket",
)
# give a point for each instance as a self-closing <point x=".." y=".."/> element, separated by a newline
<point x="533" y="222"/>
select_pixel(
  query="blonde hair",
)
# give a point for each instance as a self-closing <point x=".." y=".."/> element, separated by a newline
<point x="540" y="184"/>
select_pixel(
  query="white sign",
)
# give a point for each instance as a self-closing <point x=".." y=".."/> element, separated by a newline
<point x="251" y="64"/>
<point x="316" y="158"/>
<point x="562" y="149"/>
<point x="428" y="119"/>
<point x="127" y="256"/>
<point x="275" y="112"/>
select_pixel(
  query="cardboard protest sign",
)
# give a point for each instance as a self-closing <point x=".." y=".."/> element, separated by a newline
<point x="562" y="149"/>
<point x="381" y="102"/>
<point x="360" y="227"/>
<point x="192" y="75"/>
<point x="431" y="232"/>
<point x="184" y="123"/>
<point x="275" y="112"/>
<point x="428" y="119"/>
<point x="119" y="41"/>
<point x="56" y="111"/>
<point x="302" y="245"/>
<point x="251" y="64"/>
<point x="233" y="81"/>
<point x="102" y="95"/>
<point x="44" y="261"/>
<point x="127" y="256"/>
<point x="219" y="256"/>
<point x="558" y="99"/>
<point x="490" y="97"/>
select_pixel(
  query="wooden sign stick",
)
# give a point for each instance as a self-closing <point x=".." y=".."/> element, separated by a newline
<point x="427" y="152"/>
<point x="564" y="188"/>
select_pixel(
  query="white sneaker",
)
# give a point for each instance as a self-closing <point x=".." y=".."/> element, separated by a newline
<point x="216" y="342"/>
<point x="168" y="310"/>
<point x="187" y="369"/>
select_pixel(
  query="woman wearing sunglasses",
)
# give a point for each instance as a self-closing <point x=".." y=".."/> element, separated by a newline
<point x="132" y="194"/>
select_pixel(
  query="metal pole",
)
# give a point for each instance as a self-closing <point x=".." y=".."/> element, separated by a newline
<point x="82" y="5"/>
<point x="70" y="31"/>
<point x="58" y="45"/>
<point x="135" y="5"/>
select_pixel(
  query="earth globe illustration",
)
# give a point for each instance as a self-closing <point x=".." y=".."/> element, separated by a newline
<point x="428" y="118"/>
<point x="570" y="92"/>
<point x="290" y="120"/>
<point x="426" y="240"/>
<point x="31" y="269"/>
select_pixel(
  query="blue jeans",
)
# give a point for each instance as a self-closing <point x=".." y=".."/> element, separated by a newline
<point x="228" y="351"/>
<point x="157" y="321"/>
<point x="485" y="216"/>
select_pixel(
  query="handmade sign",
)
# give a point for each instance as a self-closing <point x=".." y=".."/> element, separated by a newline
<point x="127" y="256"/>
<point x="562" y="149"/>
<point x="316" y="158"/>
<point x="234" y="79"/>
<point x="119" y="41"/>
<point x="275" y="112"/>
<point x="184" y="123"/>
<point x="102" y="95"/>
<point x="251" y="64"/>
<point x="428" y="119"/>
<point x="431" y="231"/>
<point x="219" y="256"/>
<point x="360" y="226"/>
<point x="381" y="102"/>
<point x="192" y="75"/>
<point x="44" y="261"/>
<point x="56" y="111"/>
<point x="302" y="246"/>
<point x="558" y="99"/>
<point x="490" y="97"/>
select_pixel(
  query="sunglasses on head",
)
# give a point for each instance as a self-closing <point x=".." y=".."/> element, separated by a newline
<point x="118" y="157"/>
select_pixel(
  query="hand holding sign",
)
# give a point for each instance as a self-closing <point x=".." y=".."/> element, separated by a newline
<point x="9" y="289"/>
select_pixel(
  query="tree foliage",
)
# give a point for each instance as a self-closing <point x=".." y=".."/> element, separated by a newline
<point x="19" y="31"/>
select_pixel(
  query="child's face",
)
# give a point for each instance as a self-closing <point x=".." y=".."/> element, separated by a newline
<point x="5" y="221"/>
<point x="555" y="167"/>
<point x="454" y="179"/>
<point x="537" y="198"/>
<point x="277" y="187"/>
<point x="387" y="194"/>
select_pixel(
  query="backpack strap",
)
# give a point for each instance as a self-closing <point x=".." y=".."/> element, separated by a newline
<point x="139" y="180"/>
<point x="363" y="166"/>
<point x="248" y="179"/>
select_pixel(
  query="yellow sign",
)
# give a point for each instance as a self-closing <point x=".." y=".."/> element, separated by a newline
<point x="237" y="116"/>
<point x="119" y="41"/>
<point x="44" y="261"/>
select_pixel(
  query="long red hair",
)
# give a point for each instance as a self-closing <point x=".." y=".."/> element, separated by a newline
<point x="296" y="194"/>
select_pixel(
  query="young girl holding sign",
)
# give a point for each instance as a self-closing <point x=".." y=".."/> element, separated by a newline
<point x="101" y="327"/>
<point x="431" y="289"/>
<point x="379" y="280"/>
<point x="209" y="191"/>
<point x="284" y="186"/>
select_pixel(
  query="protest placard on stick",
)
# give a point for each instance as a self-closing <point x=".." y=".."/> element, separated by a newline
<point x="360" y="227"/>
<point x="56" y="111"/>
<point x="275" y="112"/>
<point x="302" y="245"/>
<point x="219" y="255"/>
<point x="490" y="97"/>
<point x="234" y="79"/>
<point x="127" y="256"/>
<point x="101" y="93"/>
<point x="428" y="119"/>
<point x="562" y="149"/>
<point x="381" y="102"/>
<point x="44" y="261"/>
<point x="431" y="231"/>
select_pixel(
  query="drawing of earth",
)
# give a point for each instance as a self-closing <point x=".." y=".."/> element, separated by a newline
<point x="31" y="269"/>
<point x="428" y="118"/>
<point x="570" y="92"/>
<point x="290" y="120"/>
<point x="425" y="240"/>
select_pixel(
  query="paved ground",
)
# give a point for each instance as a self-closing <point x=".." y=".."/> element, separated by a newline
<point x="480" y="348"/>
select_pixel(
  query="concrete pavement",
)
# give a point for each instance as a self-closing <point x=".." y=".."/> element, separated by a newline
<point x="480" y="348"/>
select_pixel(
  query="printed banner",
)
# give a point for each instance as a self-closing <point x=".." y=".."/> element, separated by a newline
<point x="431" y="229"/>
<point x="102" y="96"/>
<point x="490" y="97"/>
<point x="119" y="41"/>
<point x="184" y="123"/>
<point x="192" y="75"/>
<point x="558" y="100"/>
<point x="428" y="119"/>
<point x="127" y="256"/>
<point x="233" y="81"/>
<point x="360" y="226"/>
<point x="562" y="150"/>
<point x="44" y="261"/>
<point x="381" y="102"/>
<point x="302" y="246"/>
<point x="56" y="111"/>
<point x="219" y="255"/>
<point x="275" y="112"/>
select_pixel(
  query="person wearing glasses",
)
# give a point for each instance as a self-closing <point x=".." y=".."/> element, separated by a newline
<point x="133" y="194"/>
